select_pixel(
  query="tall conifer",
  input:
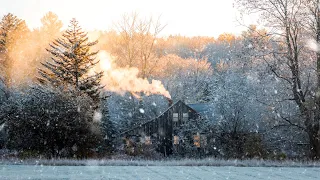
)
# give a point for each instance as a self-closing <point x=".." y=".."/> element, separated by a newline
<point x="71" y="63"/>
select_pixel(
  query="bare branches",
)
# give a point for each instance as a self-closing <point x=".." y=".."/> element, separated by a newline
<point x="135" y="47"/>
<point x="289" y="121"/>
<point x="291" y="21"/>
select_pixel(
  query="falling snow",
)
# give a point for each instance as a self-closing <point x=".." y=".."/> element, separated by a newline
<point x="141" y="110"/>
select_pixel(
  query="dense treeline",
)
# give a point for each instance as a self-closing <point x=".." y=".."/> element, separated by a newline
<point x="262" y="85"/>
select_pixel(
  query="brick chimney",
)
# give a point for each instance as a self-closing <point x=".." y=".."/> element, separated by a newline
<point x="170" y="102"/>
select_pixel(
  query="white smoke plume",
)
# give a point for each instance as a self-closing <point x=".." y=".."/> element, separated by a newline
<point x="121" y="80"/>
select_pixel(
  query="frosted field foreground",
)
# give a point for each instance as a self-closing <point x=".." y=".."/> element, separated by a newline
<point x="156" y="172"/>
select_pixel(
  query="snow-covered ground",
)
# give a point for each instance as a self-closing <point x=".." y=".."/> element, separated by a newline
<point x="163" y="162"/>
<point x="156" y="172"/>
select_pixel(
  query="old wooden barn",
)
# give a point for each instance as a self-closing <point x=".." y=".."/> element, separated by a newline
<point x="162" y="130"/>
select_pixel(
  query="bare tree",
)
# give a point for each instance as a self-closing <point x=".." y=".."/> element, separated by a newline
<point x="135" y="46"/>
<point x="286" y="57"/>
<point x="235" y="134"/>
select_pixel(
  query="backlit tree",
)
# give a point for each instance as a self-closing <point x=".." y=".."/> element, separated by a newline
<point x="72" y="63"/>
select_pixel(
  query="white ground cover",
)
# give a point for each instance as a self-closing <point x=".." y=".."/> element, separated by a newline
<point x="163" y="162"/>
<point x="156" y="172"/>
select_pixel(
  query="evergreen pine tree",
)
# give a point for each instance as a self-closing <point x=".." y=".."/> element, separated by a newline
<point x="51" y="26"/>
<point x="107" y="128"/>
<point x="8" y="25"/>
<point x="71" y="62"/>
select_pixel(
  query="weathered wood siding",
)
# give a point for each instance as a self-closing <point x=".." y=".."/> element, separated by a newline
<point x="161" y="128"/>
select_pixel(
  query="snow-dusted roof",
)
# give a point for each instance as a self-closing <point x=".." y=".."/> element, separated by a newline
<point x="204" y="109"/>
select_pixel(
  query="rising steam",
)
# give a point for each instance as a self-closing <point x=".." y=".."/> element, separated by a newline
<point x="121" y="80"/>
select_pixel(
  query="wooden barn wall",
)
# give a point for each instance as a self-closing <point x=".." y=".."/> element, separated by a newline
<point x="161" y="128"/>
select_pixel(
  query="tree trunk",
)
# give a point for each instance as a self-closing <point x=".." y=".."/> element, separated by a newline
<point x="311" y="122"/>
<point x="314" y="139"/>
<point x="314" y="133"/>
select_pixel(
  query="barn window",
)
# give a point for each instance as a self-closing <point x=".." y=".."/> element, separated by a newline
<point x="148" y="140"/>
<point x="175" y="117"/>
<point x="175" y="139"/>
<point x="196" y="140"/>
<point x="185" y="116"/>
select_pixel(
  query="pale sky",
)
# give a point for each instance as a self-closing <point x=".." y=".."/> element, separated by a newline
<point x="184" y="17"/>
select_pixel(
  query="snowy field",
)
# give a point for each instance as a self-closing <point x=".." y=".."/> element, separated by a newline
<point x="156" y="172"/>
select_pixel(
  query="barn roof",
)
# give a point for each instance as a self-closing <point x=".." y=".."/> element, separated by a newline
<point x="173" y="104"/>
<point x="204" y="109"/>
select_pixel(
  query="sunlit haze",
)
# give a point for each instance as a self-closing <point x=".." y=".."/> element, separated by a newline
<point x="184" y="17"/>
